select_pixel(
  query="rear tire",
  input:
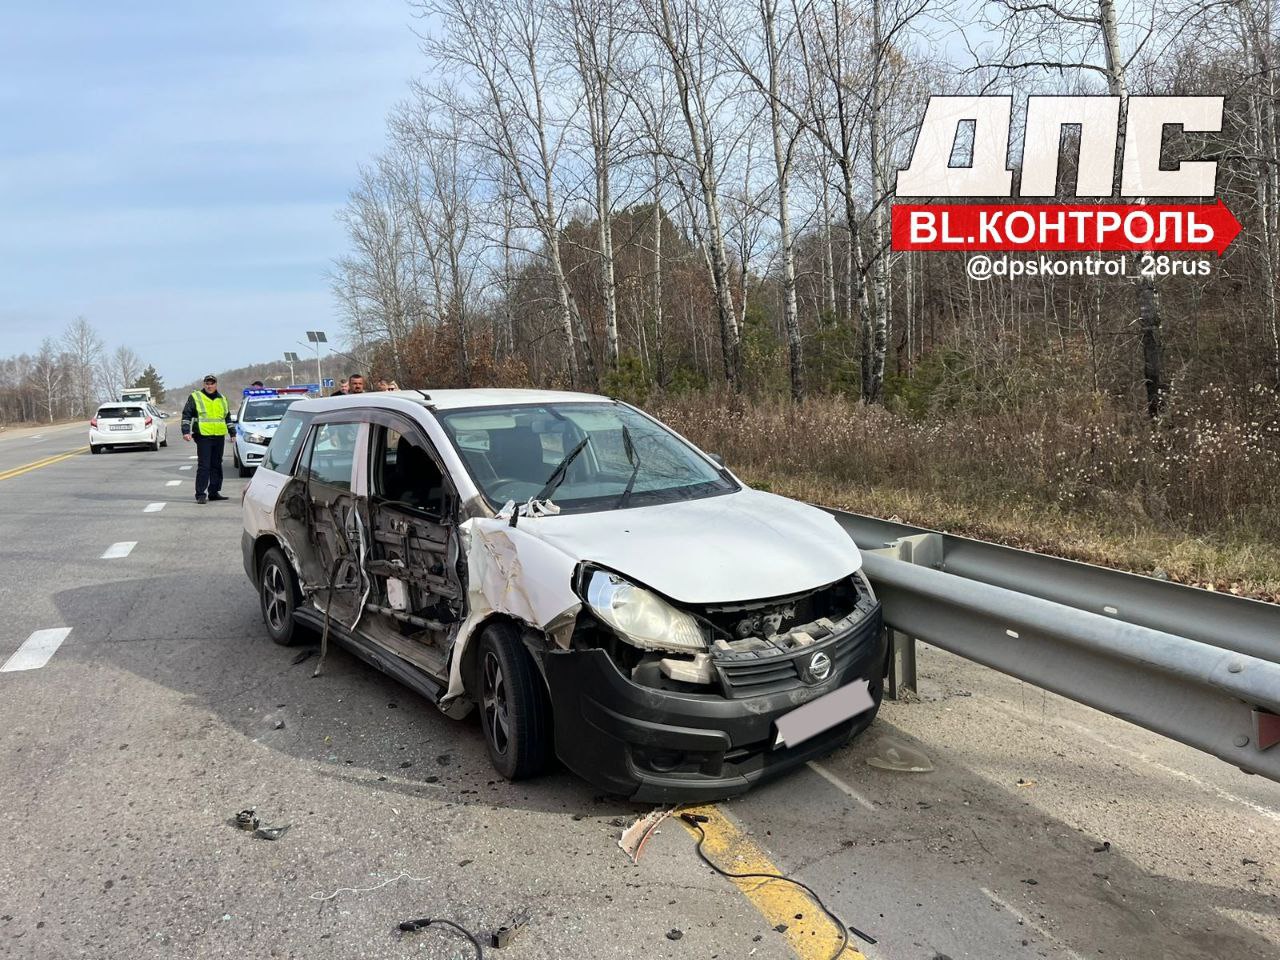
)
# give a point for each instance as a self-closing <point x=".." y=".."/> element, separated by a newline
<point x="515" y="712"/>
<point x="155" y="445"/>
<point x="95" y="448"/>
<point x="278" y="597"/>
<point x="165" y="441"/>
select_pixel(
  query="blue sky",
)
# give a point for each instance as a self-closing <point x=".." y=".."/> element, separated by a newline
<point x="171" y="171"/>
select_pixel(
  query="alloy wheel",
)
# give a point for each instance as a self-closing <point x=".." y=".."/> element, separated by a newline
<point x="275" y="598"/>
<point x="494" y="703"/>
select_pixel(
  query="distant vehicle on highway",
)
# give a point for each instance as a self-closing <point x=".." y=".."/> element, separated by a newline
<point x="600" y="588"/>
<point x="136" y="395"/>
<point x="256" y="422"/>
<point x="127" y="425"/>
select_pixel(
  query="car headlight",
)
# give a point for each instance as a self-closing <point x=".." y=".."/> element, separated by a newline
<point x="642" y="618"/>
<point x="259" y="438"/>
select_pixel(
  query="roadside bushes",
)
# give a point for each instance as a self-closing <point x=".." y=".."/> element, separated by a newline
<point x="1208" y="465"/>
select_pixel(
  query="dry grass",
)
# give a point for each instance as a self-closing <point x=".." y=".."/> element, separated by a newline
<point x="1195" y="498"/>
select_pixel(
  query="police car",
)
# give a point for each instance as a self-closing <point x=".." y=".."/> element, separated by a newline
<point x="256" y="422"/>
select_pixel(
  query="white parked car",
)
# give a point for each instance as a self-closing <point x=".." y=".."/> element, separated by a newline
<point x="134" y="424"/>
<point x="600" y="588"/>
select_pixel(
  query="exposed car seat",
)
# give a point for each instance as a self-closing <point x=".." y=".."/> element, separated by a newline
<point x="416" y="479"/>
<point x="516" y="454"/>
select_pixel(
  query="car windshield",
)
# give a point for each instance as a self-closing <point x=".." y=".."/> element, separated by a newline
<point x="512" y="452"/>
<point x="109" y="413"/>
<point x="272" y="408"/>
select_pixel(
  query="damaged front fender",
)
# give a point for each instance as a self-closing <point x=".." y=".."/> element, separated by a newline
<point x="513" y="573"/>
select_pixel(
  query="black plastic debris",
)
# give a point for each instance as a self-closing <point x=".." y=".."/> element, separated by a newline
<point x="1106" y="845"/>
<point x="246" y="820"/>
<point x="502" y="937"/>
<point x="675" y="933"/>
<point x="272" y="833"/>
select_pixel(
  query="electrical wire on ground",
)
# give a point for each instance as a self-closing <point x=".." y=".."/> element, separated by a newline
<point x="696" y="820"/>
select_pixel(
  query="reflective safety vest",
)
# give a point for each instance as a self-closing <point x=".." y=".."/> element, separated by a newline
<point x="211" y="415"/>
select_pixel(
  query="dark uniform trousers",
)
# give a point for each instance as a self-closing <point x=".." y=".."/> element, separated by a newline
<point x="208" y="463"/>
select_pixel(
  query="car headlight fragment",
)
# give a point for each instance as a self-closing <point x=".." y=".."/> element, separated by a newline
<point x="259" y="438"/>
<point x="642" y="618"/>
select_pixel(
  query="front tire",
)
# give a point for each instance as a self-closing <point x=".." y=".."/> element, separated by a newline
<point x="278" y="597"/>
<point x="515" y="712"/>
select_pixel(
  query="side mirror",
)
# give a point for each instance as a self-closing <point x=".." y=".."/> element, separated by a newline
<point x="716" y="459"/>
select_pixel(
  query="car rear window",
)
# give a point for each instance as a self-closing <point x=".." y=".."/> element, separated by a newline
<point x="109" y="413"/>
<point x="280" y="453"/>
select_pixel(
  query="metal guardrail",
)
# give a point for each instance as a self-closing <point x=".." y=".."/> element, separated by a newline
<point x="1197" y="666"/>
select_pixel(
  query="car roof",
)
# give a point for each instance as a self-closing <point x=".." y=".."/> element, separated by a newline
<point x="121" y="403"/>
<point x="449" y="399"/>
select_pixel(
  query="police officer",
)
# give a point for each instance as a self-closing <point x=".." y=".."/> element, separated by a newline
<point x="207" y="417"/>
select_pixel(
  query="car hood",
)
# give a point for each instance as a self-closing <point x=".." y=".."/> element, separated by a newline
<point x="741" y="546"/>
<point x="260" y="426"/>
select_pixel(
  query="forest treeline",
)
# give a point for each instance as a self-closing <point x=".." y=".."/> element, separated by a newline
<point x="675" y="194"/>
<point x="69" y="376"/>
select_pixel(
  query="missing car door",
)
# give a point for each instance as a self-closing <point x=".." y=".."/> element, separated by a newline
<point x="320" y="517"/>
<point x="418" y="592"/>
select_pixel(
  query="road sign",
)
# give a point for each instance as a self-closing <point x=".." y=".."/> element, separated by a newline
<point x="328" y="383"/>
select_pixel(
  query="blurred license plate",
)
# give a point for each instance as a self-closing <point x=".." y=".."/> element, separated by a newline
<point x="823" y="713"/>
<point x="122" y="426"/>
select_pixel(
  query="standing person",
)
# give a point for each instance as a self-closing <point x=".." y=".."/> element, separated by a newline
<point x="342" y="389"/>
<point x="207" y="417"/>
<point x="355" y="383"/>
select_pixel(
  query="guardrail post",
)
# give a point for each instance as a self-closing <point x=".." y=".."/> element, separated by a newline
<point x="902" y="666"/>
<point x="924" y="549"/>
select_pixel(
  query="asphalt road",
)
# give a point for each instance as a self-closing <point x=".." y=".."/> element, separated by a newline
<point x="1046" y="829"/>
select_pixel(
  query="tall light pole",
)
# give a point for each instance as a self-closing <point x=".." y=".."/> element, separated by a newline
<point x="291" y="359"/>
<point x="317" y="337"/>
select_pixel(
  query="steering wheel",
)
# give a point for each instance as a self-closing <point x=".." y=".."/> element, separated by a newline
<point x="502" y="490"/>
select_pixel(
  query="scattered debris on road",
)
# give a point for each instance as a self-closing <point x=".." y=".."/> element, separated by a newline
<point x="246" y="820"/>
<point x="675" y="933"/>
<point x="892" y="754"/>
<point x="504" y="935"/>
<point x="272" y="833"/>
<point x="637" y="835"/>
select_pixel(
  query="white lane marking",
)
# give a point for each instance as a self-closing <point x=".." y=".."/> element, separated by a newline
<point x="1027" y="921"/>
<point x="118" y="550"/>
<point x="192" y="457"/>
<point x="153" y="508"/>
<point x="36" y="650"/>
<point x="840" y="785"/>
<point x="172" y="483"/>
<point x="187" y="467"/>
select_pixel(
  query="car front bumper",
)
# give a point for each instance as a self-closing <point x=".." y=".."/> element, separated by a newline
<point x="660" y="746"/>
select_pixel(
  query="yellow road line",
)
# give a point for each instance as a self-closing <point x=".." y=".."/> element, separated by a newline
<point x="27" y="468"/>
<point x="814" y="937"/>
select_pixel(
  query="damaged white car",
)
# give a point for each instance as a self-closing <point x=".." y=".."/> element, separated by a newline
<point x="602" y="590"/>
